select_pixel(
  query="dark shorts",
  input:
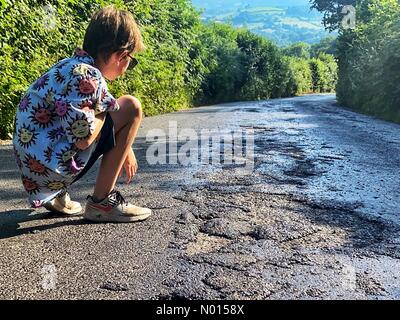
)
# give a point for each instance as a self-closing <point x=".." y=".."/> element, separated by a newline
<point x="105" y="144"/>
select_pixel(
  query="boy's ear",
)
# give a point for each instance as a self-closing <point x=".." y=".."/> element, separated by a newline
<point x="121" y="55"/>
<point x="114" y="58"/>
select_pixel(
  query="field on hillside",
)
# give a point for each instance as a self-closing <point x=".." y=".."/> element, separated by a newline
<point x="282" y="24"/>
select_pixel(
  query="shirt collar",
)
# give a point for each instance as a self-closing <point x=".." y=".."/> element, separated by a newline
<point x="83" y="56"/>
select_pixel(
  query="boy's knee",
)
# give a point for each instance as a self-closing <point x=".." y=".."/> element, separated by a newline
<point x="136" y="106"/>
<point x="133" y="106"/>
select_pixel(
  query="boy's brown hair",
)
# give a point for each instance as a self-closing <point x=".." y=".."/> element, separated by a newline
<point x="111" y="30"/>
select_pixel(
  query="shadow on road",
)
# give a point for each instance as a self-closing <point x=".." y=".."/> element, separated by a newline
<point x="10" y="222"/>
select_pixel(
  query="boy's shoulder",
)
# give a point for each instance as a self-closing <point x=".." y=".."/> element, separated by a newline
<point x="73" y="82"/>
<point x="75" y="73"/>
<point x="75" y="67"/>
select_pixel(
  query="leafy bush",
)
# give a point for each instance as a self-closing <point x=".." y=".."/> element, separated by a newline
<point x="29" y="44"/>
<point x="299" y="50"/>
<point x="301" y="80"/>
<point x="369" y="60"/>
<point x="368" y="57"/>
<point x="324" y="73"/>
<point x="170" y="70"/>
<point x="186" y="62"/>
<point x="225" y="73"/>
<point x="327" y="45"/>
<point x="316" y="74"/>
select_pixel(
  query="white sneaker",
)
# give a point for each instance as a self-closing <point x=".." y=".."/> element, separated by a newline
<point x="114" y="208"/>
<point x="64" y="205"/>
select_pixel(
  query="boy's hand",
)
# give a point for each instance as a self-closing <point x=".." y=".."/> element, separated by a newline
<point x="130" y="166"/>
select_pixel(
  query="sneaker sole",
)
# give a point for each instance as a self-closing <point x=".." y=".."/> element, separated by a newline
<point x="107" y="217"/>
<point x="63" y="211"/>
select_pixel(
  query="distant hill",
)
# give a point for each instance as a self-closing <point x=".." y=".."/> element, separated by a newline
<point x="281" y="3"/>
<point x="284" y="21"/>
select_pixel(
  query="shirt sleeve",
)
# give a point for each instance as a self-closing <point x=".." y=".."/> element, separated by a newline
<point x="105" y="100"/>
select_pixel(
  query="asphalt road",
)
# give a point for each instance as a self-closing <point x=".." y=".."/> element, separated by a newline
<point x="315" y="217"/>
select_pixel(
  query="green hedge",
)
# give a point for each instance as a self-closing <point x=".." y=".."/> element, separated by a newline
<point x="315" y="75"/>
<point x="300" y="75"/>
<point x="186" y="62"/>
<point x="324" y="73"/>
<point x="369" y="61"/>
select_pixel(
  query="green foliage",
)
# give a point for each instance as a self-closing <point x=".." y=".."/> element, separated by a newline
<point x="369" y="61"/>
<point x="225" y="62"/>
<point x="299" y="50"/>
<point x="186" y="62"/>
<point x="263" y="61"/>
<point x="324" y="73"/>
<point x="281" y="21"/>
<point x="332" y="10"/>
<point x="301" y="79"/>
<point x="170" y="72"/>
<point x="29" y="44"/>
<point x="306" y="75"/>
<point x="368" y="56"/>
<point x="327" y="45"/>
<point x="172" y="68"/>
<point x="245" y="66"/>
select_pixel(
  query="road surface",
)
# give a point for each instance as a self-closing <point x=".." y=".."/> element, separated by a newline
<point x="316" y="217"/>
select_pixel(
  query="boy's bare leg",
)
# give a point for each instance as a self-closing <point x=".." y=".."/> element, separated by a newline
<point x="126" y="124"/>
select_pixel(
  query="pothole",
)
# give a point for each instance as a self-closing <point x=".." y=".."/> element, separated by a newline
<point x="205" y="243"/>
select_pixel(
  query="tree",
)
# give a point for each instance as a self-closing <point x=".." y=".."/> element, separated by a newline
<point x="332" y="10"/>
<point x="327" y="45"/>
<point x="299" y="50"/>
<point x="368" y="57"/>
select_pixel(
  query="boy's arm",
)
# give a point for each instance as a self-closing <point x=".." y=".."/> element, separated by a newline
<point x="98" y="122"/>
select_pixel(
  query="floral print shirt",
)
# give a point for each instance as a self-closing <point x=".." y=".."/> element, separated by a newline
<point x="57" y="110"/>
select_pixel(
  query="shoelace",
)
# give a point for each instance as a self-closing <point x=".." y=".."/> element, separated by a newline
<point x="115" y="198"/>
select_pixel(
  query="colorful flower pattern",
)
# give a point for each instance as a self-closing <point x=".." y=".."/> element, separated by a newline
<point x="58" y="110"/>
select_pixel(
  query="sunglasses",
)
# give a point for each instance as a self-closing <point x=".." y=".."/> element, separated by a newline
<point x="133" y="63"/>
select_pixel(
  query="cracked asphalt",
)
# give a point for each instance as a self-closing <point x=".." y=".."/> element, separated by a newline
<point x="316" y="218"/>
